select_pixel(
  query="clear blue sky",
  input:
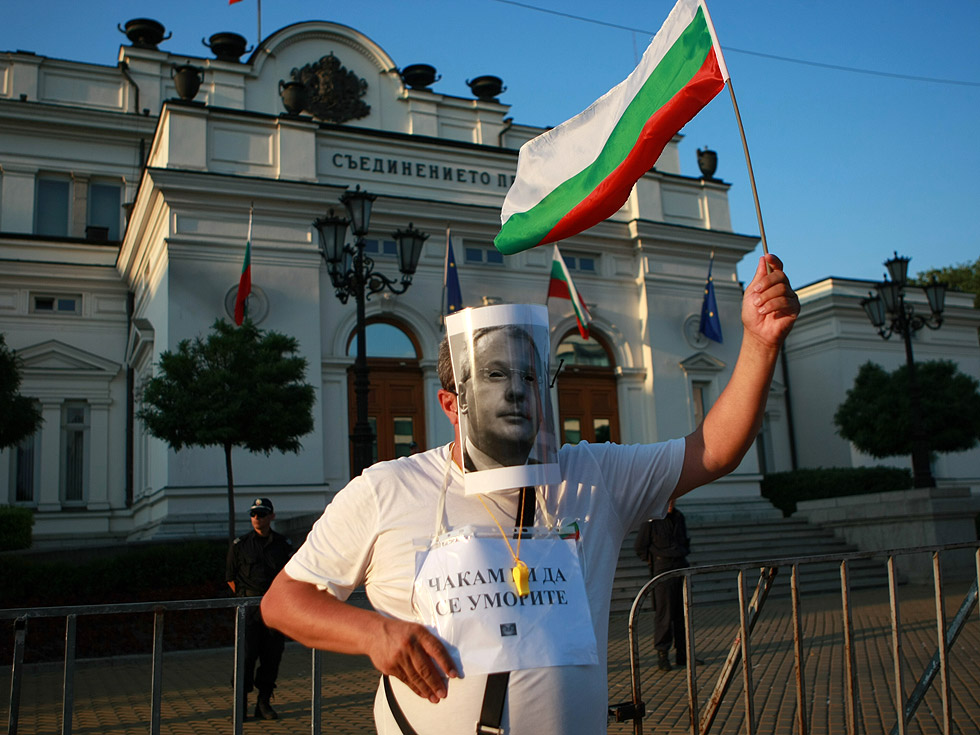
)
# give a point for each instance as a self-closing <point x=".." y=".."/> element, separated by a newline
<point x="850" y="166"/>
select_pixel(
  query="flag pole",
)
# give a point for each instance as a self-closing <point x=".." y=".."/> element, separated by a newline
<point x="748" y="163"/>
<point x="258" y="16"/>
<point x="445" y="278"/>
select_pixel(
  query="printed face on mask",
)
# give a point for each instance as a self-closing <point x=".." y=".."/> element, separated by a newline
<point x="500" y="397"/>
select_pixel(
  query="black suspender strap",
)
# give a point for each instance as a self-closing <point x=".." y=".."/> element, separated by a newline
<point x="396" y="711"/>
<point x="496" y="691"/>
<point x="493" y="704"/>
<point x="525" y="508"/>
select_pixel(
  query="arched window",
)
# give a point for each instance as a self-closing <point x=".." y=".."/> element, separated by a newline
<point x="396" y="406"/>
<point x="386" y="340"/>
<point x="587" y="405"/>
<point x="576" y="350"/>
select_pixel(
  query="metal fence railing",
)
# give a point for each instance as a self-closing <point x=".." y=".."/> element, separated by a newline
<point x="701" y="719"/>
<point x="159" y="609"/>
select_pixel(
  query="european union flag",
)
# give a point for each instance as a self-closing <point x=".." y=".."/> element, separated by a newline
<point x="454" y="297"/>
<point x="710" y="323"/>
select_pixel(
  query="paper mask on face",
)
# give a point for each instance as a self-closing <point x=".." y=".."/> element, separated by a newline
<point x="507" y="428"/>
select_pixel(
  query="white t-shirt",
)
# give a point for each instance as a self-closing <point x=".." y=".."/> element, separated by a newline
<point x="369" y="535"/>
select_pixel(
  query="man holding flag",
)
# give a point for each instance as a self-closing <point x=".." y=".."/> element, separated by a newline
<point x="368" y="535"/>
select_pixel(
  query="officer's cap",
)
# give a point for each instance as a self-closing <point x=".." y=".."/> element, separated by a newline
<point x="261" y="504"/>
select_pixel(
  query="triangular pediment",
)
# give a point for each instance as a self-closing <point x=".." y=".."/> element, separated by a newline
<point x="55" y="356"/>
<point x="702" y="362"/>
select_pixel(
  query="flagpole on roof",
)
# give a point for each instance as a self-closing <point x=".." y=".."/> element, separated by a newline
<point x="258" y="15"/>
<point x="251" y="207"/>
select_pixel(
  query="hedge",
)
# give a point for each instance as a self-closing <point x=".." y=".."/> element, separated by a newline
<point x="170" y="571"/>
<point x="786" y="489"/>
<point x="15" y="527"/>
<point x="150" y="572"/>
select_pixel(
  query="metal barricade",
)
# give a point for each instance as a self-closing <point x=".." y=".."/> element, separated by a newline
<point x="71" y="614"/>
<point x="701" y="720"/>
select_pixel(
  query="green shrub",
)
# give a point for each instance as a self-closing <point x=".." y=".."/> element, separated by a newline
<point x="786" y="489"/>
<point x="143" y="573"/>
<point x="15" y="527"/>
<point x="170" y="571"/>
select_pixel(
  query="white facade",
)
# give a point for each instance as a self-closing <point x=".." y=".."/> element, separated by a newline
<point x="90" y="317"/>
<point x="833" y="339"/>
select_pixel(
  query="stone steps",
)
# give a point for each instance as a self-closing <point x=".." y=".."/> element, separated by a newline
<point x="757" y="539"/>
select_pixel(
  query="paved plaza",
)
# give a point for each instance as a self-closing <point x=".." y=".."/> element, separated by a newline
<point x="112" y="695"/>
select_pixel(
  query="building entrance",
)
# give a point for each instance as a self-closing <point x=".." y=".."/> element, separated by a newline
<point x="587" y="405"/>
<point x="396" y="407"/>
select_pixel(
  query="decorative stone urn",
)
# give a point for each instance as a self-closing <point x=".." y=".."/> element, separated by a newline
<point x="293" y="96"/>
<point x="707" y="162"/>
<point x="187" y="80"/>
<point x="144" y="32"/>
<point x="226" y="46"/>
<point x="486" y="87"/>
<point x="419" y="76"/>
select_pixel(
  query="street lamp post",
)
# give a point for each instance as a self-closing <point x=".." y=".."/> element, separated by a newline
<point x="889" y="305"/>
<point x="352" y="275"/>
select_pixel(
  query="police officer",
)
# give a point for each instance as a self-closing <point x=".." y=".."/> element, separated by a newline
<point x="663" y="543"/>
<point x="253" y="562"/>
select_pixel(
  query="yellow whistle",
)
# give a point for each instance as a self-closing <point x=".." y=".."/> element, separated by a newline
<point x="522" y="578"/>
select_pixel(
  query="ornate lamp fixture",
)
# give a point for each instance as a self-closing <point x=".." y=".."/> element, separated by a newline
<point x="352" y="275"/>
<point x="889" y="304"/>
<point x="889" y="313"/>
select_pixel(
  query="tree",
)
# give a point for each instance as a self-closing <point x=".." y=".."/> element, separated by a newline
<point x="962" y="277"/>
<point x="240" y="387"/>
<point x="19" y="415"/>
<point x="875" y="414"/>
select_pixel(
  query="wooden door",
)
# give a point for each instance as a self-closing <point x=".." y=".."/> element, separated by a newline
<point x="587" y="407"/>
<point x="396" y="409"/>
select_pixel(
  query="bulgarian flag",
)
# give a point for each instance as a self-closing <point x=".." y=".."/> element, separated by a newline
<point x="581" y="172"/>
<point x="245" y="282"/>
<point x="561" y="287"/>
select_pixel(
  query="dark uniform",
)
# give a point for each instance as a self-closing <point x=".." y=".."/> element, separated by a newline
<point x="664" y="545"/>
<point x="253" y="562"/>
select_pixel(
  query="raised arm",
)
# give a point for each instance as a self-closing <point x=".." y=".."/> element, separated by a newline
<point x="315" y="618"/>
<point x="769" y="310"/>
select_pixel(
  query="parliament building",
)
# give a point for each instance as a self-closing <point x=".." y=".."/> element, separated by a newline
<point x="125" y="201"/>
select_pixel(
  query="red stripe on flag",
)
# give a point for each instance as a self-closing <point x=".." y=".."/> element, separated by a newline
<point x="606" y="199"/>
<point x="244" y="289"/>
<point x="559" y="290"/>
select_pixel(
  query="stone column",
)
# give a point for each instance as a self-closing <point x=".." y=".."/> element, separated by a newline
<point x="49" y="482"/>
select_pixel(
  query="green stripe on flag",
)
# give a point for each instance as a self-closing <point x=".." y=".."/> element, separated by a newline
<point x="679" y="65"/>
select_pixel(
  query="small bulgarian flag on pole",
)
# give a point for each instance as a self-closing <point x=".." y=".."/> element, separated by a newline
<point x="561" y="287"/>
<point x="581" y="172"/>
<point x="245" y="282"/>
